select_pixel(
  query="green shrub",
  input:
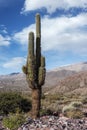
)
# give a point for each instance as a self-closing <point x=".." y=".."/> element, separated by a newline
<point x="13" y="121"/>
<point x="43" y="96"/>
<point x="67" y="108"/>
<point x="84" y="100"/>
<point x="76" y="104"/>
<point x="10" y="102"/>
<point x="55" y="97"/>
<point x="72" y="106"/>
<point x="45" y="112"/>
<point x="75" y="114"/>
<point x="73" y="110"/>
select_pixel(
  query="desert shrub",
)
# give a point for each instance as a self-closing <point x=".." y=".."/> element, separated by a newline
<point x="45" y="112"/>
<point x="75" y="114"/>
<point x="25" y="105"/>
<point x="68" y="108"/>
<point x="76" y="104"/>
<point x="84" y="100"/>
<point x="73" y="110"/>
<point x="55" y="107"/>
<point x="43" y="96"/>
<point x="55" y="97"/>
<point x="10" y="102"/>
<point x="13" y="121"/>
<point x="72" y="106"/>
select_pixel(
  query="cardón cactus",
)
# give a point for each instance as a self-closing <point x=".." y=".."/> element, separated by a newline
<point x="35" y="68"/>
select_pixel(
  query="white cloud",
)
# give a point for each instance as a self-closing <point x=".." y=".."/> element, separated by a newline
<point x="4" y="40"/>
<point x="63" y="33"/>
<point x="22" y="37"/>
<point x="52" y="5"/>
<point x="14" y="63"/>
<point x="4" y="37"/>
<point x="4" y="31"/>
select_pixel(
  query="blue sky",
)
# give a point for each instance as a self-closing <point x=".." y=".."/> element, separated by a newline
<point x="64" y="32"/>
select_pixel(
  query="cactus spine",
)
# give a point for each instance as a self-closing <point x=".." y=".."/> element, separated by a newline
<point x="35" y="68"/>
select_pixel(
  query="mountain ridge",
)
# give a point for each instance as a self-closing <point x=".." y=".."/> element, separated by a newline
<point x="17" y="81"/>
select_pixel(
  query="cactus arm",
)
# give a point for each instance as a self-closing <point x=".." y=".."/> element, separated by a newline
<point x="24" y="69"/>
<point x="42" y="72"/>
<point x="38" y="45"/>
<point x="38" y="26"/>
<point x="31" y="76"/>
<point x="31" y="45"/>
<point x="42" y="61"/>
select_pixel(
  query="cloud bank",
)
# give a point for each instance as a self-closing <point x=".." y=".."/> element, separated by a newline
<point x="4" y="40"/>
<point x="62" y="34"/>
<point x="52" y="5"/>
<point x="14" y="63"/>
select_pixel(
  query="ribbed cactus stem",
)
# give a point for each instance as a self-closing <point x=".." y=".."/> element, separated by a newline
<point x="38" y="26"/>
<point x="42" y="61"/>
<point x="38" y="44"/>
<point x="42" y="71"/>
<point x="31" y="76"/>
<point x="31" y="44"/>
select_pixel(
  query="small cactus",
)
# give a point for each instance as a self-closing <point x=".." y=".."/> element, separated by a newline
<point x="35" y="68"/>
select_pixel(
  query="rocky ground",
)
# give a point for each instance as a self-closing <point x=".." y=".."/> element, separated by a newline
<point x="1" y="127"/>
<point x="54" y="123"/>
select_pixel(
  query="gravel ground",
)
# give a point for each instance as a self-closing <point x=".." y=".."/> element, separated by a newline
<point x="54" y="123"/>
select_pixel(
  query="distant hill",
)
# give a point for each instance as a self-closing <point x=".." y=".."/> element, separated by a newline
<point x="78" y="67"/>
<point x="76" y="84"/>
<point x="65" y="79"/>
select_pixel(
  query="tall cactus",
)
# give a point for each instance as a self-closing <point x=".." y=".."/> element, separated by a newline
<point x="35" y="69"/>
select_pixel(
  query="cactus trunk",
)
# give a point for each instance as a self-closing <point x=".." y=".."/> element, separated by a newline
<point x="36" y="102"/>
<point x="35" y="69"/>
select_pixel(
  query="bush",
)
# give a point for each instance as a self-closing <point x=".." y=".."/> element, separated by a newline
<point x="72" y="106"/>
<point x="75" y="114"/>
<point x="10" y="102"/>
<point x="46" y="112"/>
<point x="68" y="108"/>
<point x="76" y="104"/>
<point x="43" y="96"/>
<point x="13" y="121"/>
<point x="73" y="110"/>
<point x="84" y="100"/>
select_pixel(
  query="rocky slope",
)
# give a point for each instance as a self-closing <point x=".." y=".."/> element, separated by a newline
<point x="78" y="67"/>
<point x="76" y="83"/>
<point x="65" y="78"/>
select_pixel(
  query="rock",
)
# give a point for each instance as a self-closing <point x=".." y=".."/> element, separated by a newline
<point x="55" y="123"/>
<point x="19" y="128"/>
<point x="1" y="118"/>
<point x="52" y="129"/>
<point x="50" y="120"/>
<point x="25" y="128"/>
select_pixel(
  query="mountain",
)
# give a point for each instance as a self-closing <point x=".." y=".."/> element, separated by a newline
<point x="13" y="82"/>
<point x="76" y="84"/>
<point x="61" y="79"/>
<point x="78" y="67"/>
